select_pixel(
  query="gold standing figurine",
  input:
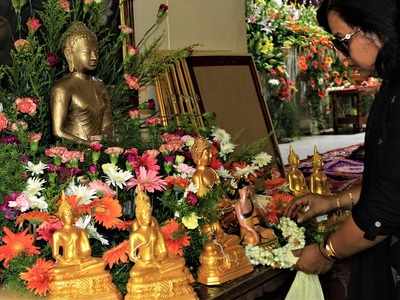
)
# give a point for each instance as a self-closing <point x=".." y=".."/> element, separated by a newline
<point x="80" y="104"/>
<point x="77" y="275"/>
<point x="222" y="258"/>
<point x="251" y="231"/>
<point x="155" y="274"/>
<point x="297" y="182"/>
<point x="319" y="181"/>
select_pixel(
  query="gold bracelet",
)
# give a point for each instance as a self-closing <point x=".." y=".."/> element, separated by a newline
<point x="351" y="199"/>
<point x="332" y="249"/>
<point x="338" y="203"/>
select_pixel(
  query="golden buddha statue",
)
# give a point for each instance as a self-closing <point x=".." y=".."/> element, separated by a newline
<point x="155" y="274"/>
<point x="297" y="182"/>
<point x="319" y="181"/>
<point x="205" y="177"/>
<point x="77" y="275"/>
<point x="80" y="104"/>
<point x="251" y="231"/>
<point x="222" y="258"/>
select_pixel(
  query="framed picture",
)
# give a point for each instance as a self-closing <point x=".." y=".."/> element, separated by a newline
<point x="230" y="87"/>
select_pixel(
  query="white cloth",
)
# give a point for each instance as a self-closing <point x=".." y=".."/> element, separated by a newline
<point x="305" y="287"/>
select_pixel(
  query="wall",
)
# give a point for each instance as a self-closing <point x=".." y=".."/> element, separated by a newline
<point x="217" y="25"/>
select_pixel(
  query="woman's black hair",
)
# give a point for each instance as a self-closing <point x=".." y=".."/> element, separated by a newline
<point x="381" y="17"/>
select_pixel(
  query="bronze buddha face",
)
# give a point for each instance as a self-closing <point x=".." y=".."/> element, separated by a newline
<point x="85" y="55"/>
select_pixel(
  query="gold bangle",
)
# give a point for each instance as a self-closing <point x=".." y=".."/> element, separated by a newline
<point x="351" y="199"/>
<point x="332" y="250"/>
<point x="338" y="203"/>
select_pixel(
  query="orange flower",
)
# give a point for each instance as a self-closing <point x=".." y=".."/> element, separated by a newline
<point x="38" y="277"/>
<point x="3" y="121"/>
<point x="175" y="237"/>
<point x="107" y="212"/>
<point x="132" y="82"/>
<point x="65" y="5"/>
<point x="124" y="225"/>
<point x="118" y="254"/>
<point x="274" y="183"/>
<point x="177" y="181"/>
<point x="302" y="63"/>
<point x="32" y="216"/>
<point x="16" y="244"/>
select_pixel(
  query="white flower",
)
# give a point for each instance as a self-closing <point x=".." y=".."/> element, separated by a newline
<point x="184" y="170"/>
<point x="36" y="169"/>
<point x="84" y="193"/>
<point x="85" y="222"/>
<point x="191" y="221"/>
<point x="34" y="186"/>
<point x="262" y="159"/>
<point x="1" y="107"/>
<point x="98" y="1"/>
<point x="224" y="173"/>
<point x="188" y="140"/>
<point x="38" y="202"/>
<point x="246" y="171"/>
<point x="115" y="175"/>
<point x="279" y="3"/>
<point x="226" y="148"/>
<point x="190" y="188"/>
<point x="221" y="136"/>
<point x="274" y="82"/>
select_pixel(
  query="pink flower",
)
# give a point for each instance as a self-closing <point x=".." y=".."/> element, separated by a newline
<point x="21" y="44"/>
<point x="55" y="151"/>
<point x="132" y="51"/>
<point x="114" y="151"/>
<point x="92" y="169"/>
<point x="132" y="82"/>
<point x="52" y="59"/>
<point x="152" y="153"/>
<point x="185" y="169"/>
<point x="47" y="228"/>
<point x="173" y="143"/>
<point x="148" y="181"/>
<point x="96" y="147"/>
<point x="134" y="114"/>
<point x="65" y="5"/>
<point x="68" y="156"/>
<point x="3" y="121"/>
<point x="26" y="105"/>
<point x="153" y="121"/>
<point x="162" y="10"/>
<point x="191" y="199"/>
<point x="18" y="126"/>
<point x="21" y="203"/>
<point x="33" y="24"/>
<point x="101" y="187"/>
<point x="125" y="29"/>
<point x="35" y="137"/>
<point x="131" y="152"/>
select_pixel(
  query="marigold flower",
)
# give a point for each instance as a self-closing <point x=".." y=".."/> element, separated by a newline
<point x="38" y="277"/>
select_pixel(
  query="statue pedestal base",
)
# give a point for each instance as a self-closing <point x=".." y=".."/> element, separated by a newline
<point x="222" y="266"/>
<point x="96" y="287"/>
<point x="177" y="288"/>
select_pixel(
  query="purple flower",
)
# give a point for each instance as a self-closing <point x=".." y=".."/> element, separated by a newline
<point x="151" y="104"/>
<point x="52" y="168"/>
<point x="92" y="169"/>
<point x="192" y="199"/>
<point x="8" y="139"/>
<point x="9" y="213"/>
<point x="24" y="159"/>
<point x="52" y="59"/>
<point x="170" y="159"/>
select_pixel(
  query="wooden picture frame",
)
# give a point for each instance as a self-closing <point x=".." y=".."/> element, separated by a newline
<point x="230" y="87"/>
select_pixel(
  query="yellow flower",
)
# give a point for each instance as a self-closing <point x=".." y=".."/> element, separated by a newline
<point x="191" y="221"/>
<point x="260" y="2"/>
<point x="287" y="44"/>
<point x="266" y="46"/>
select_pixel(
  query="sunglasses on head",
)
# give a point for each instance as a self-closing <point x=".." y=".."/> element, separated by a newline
<point x="343" y="43"/>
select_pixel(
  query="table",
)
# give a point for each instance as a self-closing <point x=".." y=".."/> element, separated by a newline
<point x="352" y="93"/>
<point x="264" y="282"/>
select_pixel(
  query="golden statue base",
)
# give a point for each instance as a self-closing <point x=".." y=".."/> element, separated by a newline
<point x="224" y="265"/>
<point x="168" y="288"/>
<point x="97" y="287"/>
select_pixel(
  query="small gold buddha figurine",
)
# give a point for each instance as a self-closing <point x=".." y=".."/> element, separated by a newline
<point x="77" y="275"/>
<point x="319" y="181"/>
<point x="80" y="104"/>
<point x="251" y="231"/>
<point x="155" y="274"/>
<point x="297" y="182"/>
<point x="222" y="258"/>
<point x="205" y="177"/>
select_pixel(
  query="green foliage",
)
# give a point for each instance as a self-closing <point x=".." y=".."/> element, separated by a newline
<point x="246" y="152"/>
<point x="192" y="253"/>
<point x="11" y="275"/>
<point x="120" y="275"/>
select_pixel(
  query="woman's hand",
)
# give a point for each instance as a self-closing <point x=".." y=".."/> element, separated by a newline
<point x="311" y="261"/>
<point x="309" y="206"/>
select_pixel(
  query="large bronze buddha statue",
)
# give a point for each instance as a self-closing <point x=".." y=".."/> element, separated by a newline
<point x="77" y="275"/>
<point x="80" y="104"/>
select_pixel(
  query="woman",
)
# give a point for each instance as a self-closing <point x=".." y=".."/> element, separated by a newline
<point x="367" y="31"/>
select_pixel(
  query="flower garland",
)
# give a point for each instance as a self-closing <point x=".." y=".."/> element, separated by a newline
<point x="282" y="257"/>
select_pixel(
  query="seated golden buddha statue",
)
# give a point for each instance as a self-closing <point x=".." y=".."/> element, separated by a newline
<point x="77" y="275"/>
<point x="318" y="180"/>
<point x="155" y="274"/>
<point x="205" y="177"/>
<point x="251" y="231"/>
<point x="297" y="182"/>
<point x="80" y="104"/>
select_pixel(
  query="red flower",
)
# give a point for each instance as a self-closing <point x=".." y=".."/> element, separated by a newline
<point x="302" y="63"/>
<point x="38" y="276"/>
<point x="274" y="183"/>
<point x="3" y="121"/>
<point x="96" y="147"/>
<point x="175" y="237"/>
<point x="33" y="24"/>
<point x="192" y="199"/>
<point x="52" y="59"/>
<point x="132" y="82"/>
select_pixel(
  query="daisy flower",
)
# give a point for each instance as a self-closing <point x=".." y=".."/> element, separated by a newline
<point x="34" y="186"/>
<point x="148" y="181"/>
<point x="84" y="193"/>
<point x="262" y="159"/>
<point x="116" y="176"/>
<point x="38" y="277"/>
<point x="36" y="169"/>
